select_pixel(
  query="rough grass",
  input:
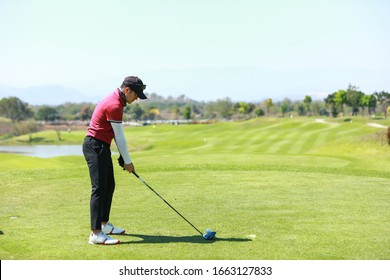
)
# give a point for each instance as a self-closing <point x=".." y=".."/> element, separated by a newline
<point x="273" y="189"/>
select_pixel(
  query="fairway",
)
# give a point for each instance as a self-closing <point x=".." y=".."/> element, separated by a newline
<point x="278" y="189"/>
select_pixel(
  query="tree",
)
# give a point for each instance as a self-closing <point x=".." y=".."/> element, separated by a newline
<point x="371" y="104"/>
<point x="331" y="103"/>
<point x="283" y="108"/>
<point x="340" y="99"/>
<point x="27" y="127"/>
<point x="286" y="106"/>
<point x="135" y="112"/>
<point x="319" y="108"/>
<point x="307" y="101"/>
<point x="86" y="112"/>
<point x="383" y="99"/>
<point x="244" y="107"/>
<point x="268" y="104"/>
<point x="368" y="101"/>
<point x="224" y="108"/>
<point x="47" y="113"/>
<point x="187" y="113"/>
<point x="301" y="108"/>
<point x="15" y="109"/>
<point x="175" y="111"/>
<point x="153" y="113"/>
<point x="353" y="98"/>
<point x="259" y="112"/>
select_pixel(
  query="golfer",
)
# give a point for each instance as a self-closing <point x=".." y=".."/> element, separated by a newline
<point x="106" y="124"/>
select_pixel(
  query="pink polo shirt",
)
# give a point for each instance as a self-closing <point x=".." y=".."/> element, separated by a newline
<point x="109" y="109"/>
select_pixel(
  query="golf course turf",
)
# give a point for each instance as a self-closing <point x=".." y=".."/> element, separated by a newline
<point x="278" y="189"/>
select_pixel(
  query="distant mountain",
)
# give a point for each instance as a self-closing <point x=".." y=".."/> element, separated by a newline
<point x="45" y="95"/>
<point x="253" y="84"/>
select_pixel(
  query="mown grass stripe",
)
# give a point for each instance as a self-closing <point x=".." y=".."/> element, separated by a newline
<point x="330" y="199"/>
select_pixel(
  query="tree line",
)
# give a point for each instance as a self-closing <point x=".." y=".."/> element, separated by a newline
<point x="349" y="101"/>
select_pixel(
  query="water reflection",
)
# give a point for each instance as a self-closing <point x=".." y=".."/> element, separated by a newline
<point x="44" y="151"/>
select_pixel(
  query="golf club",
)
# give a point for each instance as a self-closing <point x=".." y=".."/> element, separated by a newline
<point x="209" y="233"/>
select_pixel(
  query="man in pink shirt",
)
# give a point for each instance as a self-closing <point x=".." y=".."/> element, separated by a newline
<point x="106" y="124"/>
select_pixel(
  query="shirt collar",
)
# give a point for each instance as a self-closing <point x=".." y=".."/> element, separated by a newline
<point x="122" y="97"/>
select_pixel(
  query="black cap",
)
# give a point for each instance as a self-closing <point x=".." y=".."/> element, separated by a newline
<point x="135" y="83"/>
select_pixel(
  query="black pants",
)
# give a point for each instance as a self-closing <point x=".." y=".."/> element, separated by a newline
<point x="98" y="156"/>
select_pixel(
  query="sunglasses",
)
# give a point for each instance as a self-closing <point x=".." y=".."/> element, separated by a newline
<point x="140" y="86"/>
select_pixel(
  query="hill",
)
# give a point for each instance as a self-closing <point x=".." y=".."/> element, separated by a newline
<point x="46" y="95"/>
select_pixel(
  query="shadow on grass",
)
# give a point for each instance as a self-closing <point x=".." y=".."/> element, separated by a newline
<point x="160" y="239"/>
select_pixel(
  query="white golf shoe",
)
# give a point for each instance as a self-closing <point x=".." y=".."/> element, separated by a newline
<point x="102" y="239"/>
<point x="109" y="228"/>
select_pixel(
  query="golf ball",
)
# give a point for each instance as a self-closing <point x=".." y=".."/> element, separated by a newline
<point x="208" y="230"/>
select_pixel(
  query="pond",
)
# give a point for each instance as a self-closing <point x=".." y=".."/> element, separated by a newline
<point x="44" y="151"/>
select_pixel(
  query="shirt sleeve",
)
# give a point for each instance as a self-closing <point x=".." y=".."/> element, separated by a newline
<point x="114" y="114"/>
<point x="120" y="140"/>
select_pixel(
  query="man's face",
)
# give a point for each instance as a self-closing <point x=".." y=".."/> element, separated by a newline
<point x="131" y="96"/>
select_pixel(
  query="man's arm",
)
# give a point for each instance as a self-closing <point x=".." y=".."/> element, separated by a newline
<point x="120" y="140"/>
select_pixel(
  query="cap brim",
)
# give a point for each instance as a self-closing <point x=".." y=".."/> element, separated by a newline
<point x="141" y="95"/>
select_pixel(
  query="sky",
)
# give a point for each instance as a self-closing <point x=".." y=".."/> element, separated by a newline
<point x="246" y="50"/>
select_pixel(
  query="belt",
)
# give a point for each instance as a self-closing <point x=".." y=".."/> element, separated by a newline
<point x="99" y="141"/>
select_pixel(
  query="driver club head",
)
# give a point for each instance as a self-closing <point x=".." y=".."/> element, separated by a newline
<point x="209" y="234"/>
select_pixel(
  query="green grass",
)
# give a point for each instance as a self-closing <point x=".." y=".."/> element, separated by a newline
<point x="272" y="188"/>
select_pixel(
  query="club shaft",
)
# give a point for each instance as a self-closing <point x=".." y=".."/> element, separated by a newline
<point x="143" y="181"/>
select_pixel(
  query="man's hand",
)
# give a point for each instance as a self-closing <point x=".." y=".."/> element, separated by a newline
<point x="121" y="162"/>
<point x="129" y="167"/>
